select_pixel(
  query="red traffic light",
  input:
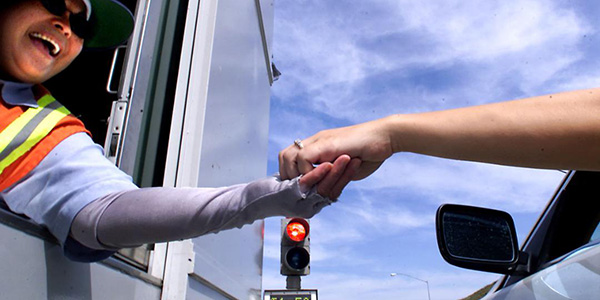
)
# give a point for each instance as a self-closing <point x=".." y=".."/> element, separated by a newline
<point x="295" y="249"/>
<point x="296" y="231"/>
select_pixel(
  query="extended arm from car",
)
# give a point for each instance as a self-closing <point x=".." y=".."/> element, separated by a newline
<point x="559" y="131"/>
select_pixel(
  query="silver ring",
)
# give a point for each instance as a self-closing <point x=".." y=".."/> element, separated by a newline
<point x="298" y="143"/>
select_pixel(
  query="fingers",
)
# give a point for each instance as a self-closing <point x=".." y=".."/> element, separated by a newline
<point x="331" y="179"/>
<point x="315" y="176"/>
<point x="284" y="164"/>
<point x="305" y="159"/>
<point x="294" y="160"/>
<point x="288" y="167"/>
<point x="325" y="186"/>
<point x="348" y="175"/>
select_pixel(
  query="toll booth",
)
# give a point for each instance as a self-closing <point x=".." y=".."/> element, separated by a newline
<point x="185" y="103"/>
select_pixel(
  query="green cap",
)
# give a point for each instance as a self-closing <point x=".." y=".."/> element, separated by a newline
<point x="112" y="23"/>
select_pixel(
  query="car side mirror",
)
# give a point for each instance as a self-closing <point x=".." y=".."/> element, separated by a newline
<point x="477" y="238"/>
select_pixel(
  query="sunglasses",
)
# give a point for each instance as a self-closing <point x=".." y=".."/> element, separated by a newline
<point x="78" y="22"/>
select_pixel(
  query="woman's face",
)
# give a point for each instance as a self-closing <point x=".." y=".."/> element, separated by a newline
<point x="35" y="44"/>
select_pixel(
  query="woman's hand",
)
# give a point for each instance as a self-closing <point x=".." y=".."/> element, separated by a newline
<point x="331" y="178"/>
<point x="369" y="142"/>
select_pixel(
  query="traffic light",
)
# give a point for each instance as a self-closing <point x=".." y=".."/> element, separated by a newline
<point x="295" y="248"/>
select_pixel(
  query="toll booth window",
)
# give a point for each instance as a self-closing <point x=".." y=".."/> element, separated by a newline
<point x="85" y="95"/>
<point x="82" y="88"/>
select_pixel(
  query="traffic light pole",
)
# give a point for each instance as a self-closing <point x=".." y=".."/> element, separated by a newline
<point x="293" y="282"/>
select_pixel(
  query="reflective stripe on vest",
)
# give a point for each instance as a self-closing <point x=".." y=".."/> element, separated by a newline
<point x="28" y="129"/>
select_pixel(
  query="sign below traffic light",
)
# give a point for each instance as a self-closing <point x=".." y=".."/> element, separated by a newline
<point x="290" y="295"/>
<point x="295" y="247"/>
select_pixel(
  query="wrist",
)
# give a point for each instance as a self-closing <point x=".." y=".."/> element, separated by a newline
<point x="392" y="127"/>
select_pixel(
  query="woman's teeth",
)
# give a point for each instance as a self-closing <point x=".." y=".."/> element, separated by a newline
<point x="53" y="46"/>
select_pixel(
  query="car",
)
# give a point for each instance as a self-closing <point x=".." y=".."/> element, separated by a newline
<point x="560" y="259"/>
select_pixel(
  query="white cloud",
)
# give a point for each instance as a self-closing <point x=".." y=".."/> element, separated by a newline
<point x="441" y="180"/>
<point x="479" y="30"/>
<point x="327" y="54"/>
<point x="584" y="81"/>
<point x="304" y="125"/>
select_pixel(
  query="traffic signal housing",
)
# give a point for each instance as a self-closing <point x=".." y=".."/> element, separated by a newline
<point x="295" y="247"/>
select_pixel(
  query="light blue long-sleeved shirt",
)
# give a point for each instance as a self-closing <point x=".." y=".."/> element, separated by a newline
<point x="71" y="176"/>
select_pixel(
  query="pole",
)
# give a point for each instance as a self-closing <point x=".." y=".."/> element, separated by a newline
<point x="293" y="283"/>
<point x="413" y="277"/>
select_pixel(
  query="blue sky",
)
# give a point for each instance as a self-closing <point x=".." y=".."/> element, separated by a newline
<point x="347" y="61"/>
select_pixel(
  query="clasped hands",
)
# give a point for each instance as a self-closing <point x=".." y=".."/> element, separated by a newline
<point x="332" y="158"/>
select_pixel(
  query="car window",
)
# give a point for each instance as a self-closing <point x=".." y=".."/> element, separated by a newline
<point x="569" y="222"/>
<point x="596" y="235"/>
<point x="575" y="218"/>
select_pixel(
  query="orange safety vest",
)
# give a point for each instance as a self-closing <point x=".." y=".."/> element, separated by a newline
<point x="28" y="134"/>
